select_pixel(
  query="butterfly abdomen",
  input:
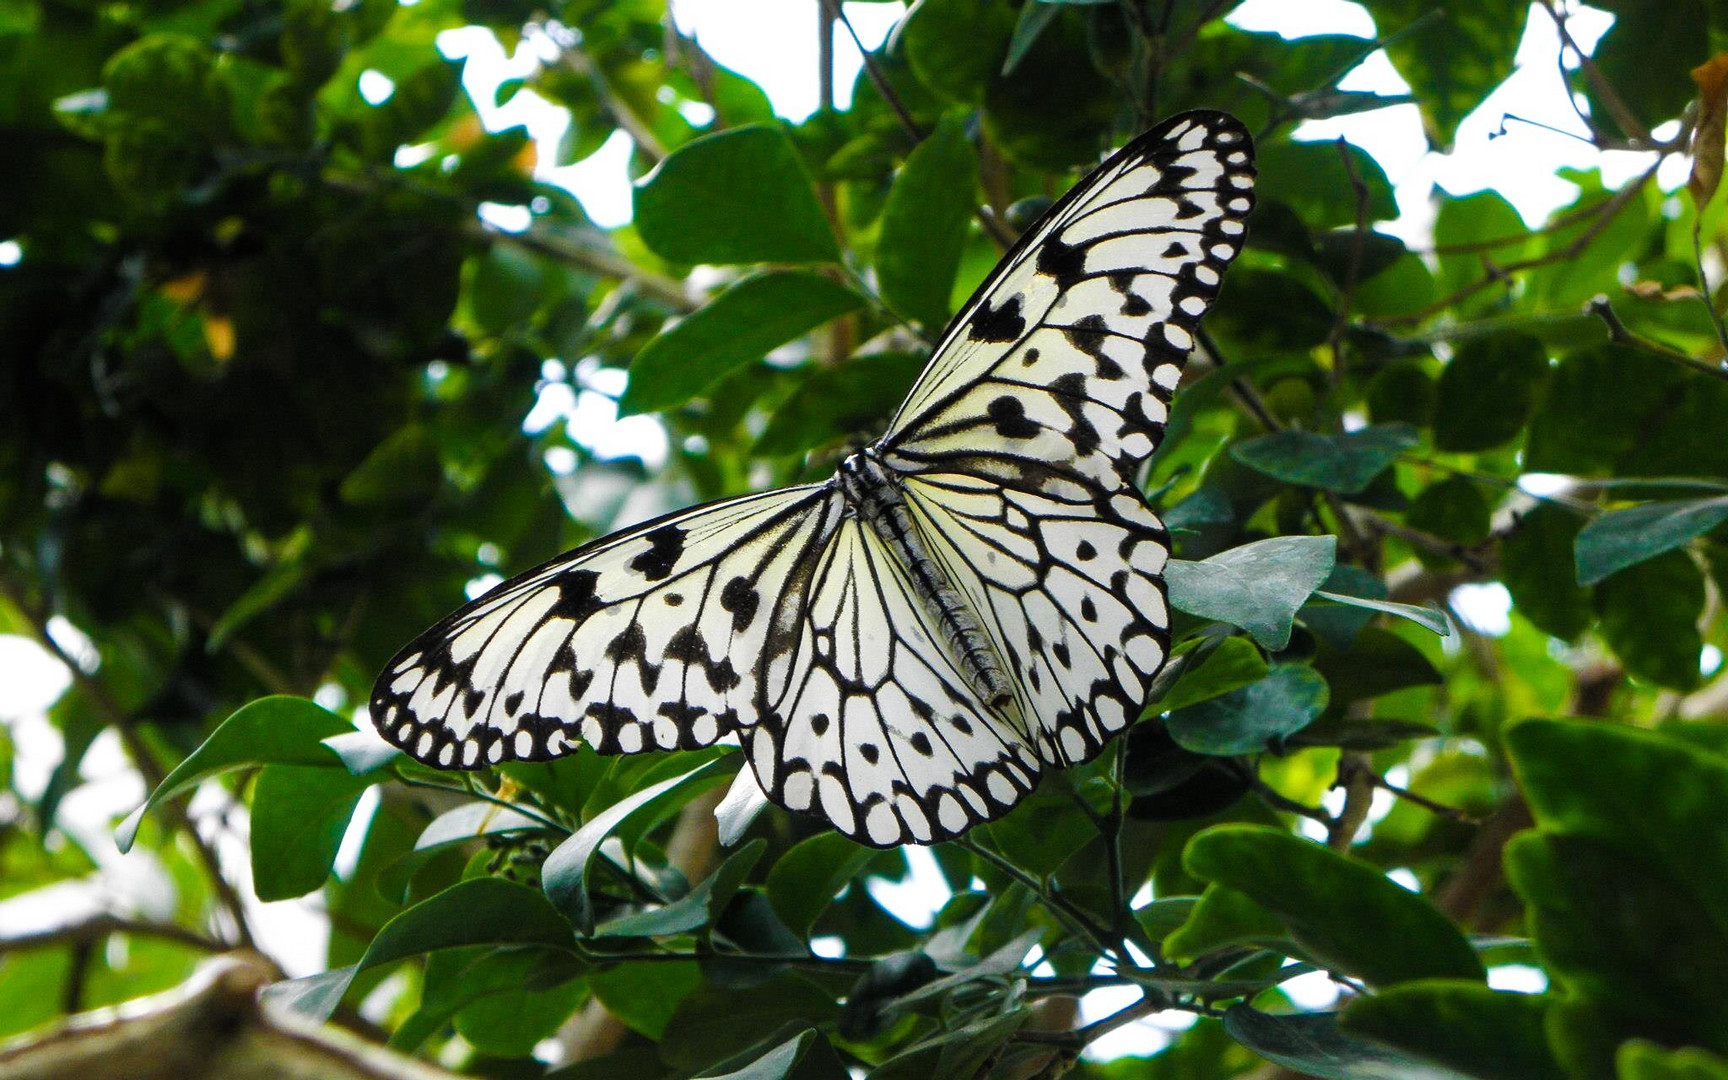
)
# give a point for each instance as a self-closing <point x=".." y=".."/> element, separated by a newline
<point x="870" y="488"/>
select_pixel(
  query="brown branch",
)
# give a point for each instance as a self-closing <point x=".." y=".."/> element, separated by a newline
<point x="1605" y="92"/>
<point x="1356" y="777"/>
<point x="101" y="926"/>
<point x="1620" y="334"/>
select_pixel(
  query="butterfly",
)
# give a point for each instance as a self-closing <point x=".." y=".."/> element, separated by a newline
<point x="973" y="599"/>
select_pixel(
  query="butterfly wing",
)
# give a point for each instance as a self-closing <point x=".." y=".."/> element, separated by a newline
<point x="874" y="727"/>
<point x="651" y="638"/>
<point x="1067" y="579"/>
<point x="1067" y="356"/>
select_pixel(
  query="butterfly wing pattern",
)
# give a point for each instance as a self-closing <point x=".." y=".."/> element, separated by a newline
<point x="902" y="654"/>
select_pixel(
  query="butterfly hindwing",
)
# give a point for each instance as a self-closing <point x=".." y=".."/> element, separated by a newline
<point x="876" y="729"/>
<point x="652" y="638"/>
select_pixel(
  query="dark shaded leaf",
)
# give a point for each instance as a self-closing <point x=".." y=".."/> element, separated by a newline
<point x="924" y="222"/>
<point x="1536" y="568"/>
<point x="1489" y="1034"/>
<point x="1254" y="717"/>
<point x="1312" y="1044"/>
<point x="299" y="814"/>
<point x="1487" y="391"/>
<point x="1649" y="617"/>
<point x="1341" y="463"/>
<point x="1623" y="538"/>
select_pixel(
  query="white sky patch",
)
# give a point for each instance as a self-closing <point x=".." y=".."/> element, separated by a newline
<point x="1518" y="978"/>
<point x="1709" y="659"/>
<point x="916" y="898"/>
<point x="1486" y="606"/>
<point x="1304" y="20"/>
<point x="375" y="87"/>
<point x="1311" y="992"/>
<point x="11" y="253"/>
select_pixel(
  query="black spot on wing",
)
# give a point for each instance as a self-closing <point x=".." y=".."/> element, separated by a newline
<point x="1064" y="262"/>
<point x="1008" y="413"/>
<point x="576" y="596"/>
<point x="665" y="544"/>
<point x="1002" y="324"/>
<point x="740" y="598"/>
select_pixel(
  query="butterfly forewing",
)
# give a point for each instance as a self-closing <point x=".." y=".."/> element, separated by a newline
<point x="652" y="638"/>
<point x="791" y="619"/>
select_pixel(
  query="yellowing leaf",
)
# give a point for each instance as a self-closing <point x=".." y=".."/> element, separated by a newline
<point x="219" y="336"/>
<point x="1712" y="127"/>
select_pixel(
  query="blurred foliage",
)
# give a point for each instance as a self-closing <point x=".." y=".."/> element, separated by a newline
<point x="262" y="411"/>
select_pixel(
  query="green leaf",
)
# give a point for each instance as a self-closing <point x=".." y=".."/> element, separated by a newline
<point x="742" y="324"/>
<point x="1622" y="538"/>
<point x="515" y="1017"/>
<point x="470" y="821"/>
<point x="1649" y="617"/>
<point x="1482" y="218"/>
<point x="1646" y="33"/>
<point x="1057" y="110"/>
<point x="1576" y="276"/>
<point x="456" y="978"/>
<point x="1312" y="178"/>
<point x="1341" y="463"/>
<point x="480" y="911"/>
<point x="697" y="908"/>
<point x="959" y="1051"/>
<point x="1254" y="717"/>
<point x="1257" y="586"/>
<point x="805" y="880"/>
<point x="1264" y="312"/>
<point x="564" y="875"/>
<point x="1344" y="911"/>
<point x="1646" y="792"/>
<point x="1536" y="568"/>
<point x="1452" y="509"/>
<point x="299" y="813"/>
<point x="1612" y="925"/>
<point x="1429" y="618"/>
<point x="1221" y="918"/>
<point x="1457" y="57"/>
<point x="277" y="730"/>
<point x="835" y="403"/>
<point x="1032" y="21"/>
<point x="713" y="1023"/>
<point x="403" y="469"/>
<point x="1640" y="1060"/>
<point x="736" y="196"/>
<point x="924" y="224"/>
<point x="777" y="1063"/>
<point x="645" y="996"/>
<point x="1578" y="428"/>
<point x="1312" y="1044"/>
<point x="956" y="47"/>
<point x="1489" y="1034"/>
<point x="1487" y="391"/>
<point x="1378" y="662"/>
<point x="1233" y="664"/>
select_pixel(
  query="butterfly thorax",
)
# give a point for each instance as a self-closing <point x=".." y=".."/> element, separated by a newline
<point x="874" y="494"/>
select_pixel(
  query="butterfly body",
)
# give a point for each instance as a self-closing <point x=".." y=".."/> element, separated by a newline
<point x="976" y="597"/>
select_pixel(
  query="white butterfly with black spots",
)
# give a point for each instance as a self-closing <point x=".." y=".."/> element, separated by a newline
<point x="976" y="597"/>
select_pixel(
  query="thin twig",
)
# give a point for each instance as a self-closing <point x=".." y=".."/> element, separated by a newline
<point x="1072" y="918"/>
<point x="1243" y="390"/>
<point x="1439" y="809"/>
<point x="1607" y="210"/>
<point x="101" y="926"/>
<point x="1621" y="335"/>
<point x="1704" y="296"/>
<point x="1617" y="108"/>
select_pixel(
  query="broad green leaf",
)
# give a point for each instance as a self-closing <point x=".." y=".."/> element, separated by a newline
<point x="1377" y="662"/>
<point x="1221" y="918"/>
<point x="1256" y="586"/>
<point x="956" y="47"/>
<point x="1252" y="718"/>
<point x="1313" y="1045"/>
<point x="1672" y="34"/>
<point x="1429" y="618"/>
<point x="1489" y="1034"/>
<point x="1577" y="276"/>
<point x="1487" y="391"/>
<point x="1312" y="178"/>
<point x="457" y="978"/>
<point x="1640" y="1060"/>
<point x="481" y="911"/>
<point x="959" y="1051"/>
<point x="1583" y="428"/>
<point x="777" y="1064"/>
<point x="736" y="196"/>
<point x="694" y="910"/>
<point x="714" y="1023"/>
<point x="274" y="730"/>
<point x="1341" y="463"/>
<point x="1622" y="538"/>
<point x="924" y="225"/>
<point x="805" y="880"/>
<point x="1032" y="21"/>
<point x="299" y="813"/>
<point x="835" y="403"/>
<point x="1615" y="926"/>
<point x="362" y="752"/>
<point x="1452" y="509"/>
<point x="403" y="469"/>
<point x="1233" y="664"/>
<point x="1536" y="568"/>
<point x="565" y="873"/>
<point x="1480" y="219"/>
<point x="1457" y="57"/>
<point x="1160" y="918"/>
<point x="1344" y="911"/>
<point x="645" y="996"/>
<point x="1264" y="312"/>
<point x="470" y="821"/>
<point x="1649" y="617"/>
<point x="1402" y="393"/>
<point x="742" y="324"/>
<point x="1057" y="110"/>
<point x="1645" y="792"/>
